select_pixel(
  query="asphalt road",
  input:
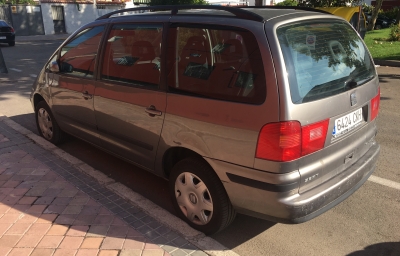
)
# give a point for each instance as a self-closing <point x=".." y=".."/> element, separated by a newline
<point x="367" y="223"/>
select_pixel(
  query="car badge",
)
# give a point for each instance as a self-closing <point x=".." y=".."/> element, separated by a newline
<point x="353" y="99"/>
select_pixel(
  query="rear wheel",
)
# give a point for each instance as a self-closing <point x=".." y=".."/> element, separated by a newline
<point x="199" y="196"/>
<point x="47" y="125"/>
<point x="11" y="43"/>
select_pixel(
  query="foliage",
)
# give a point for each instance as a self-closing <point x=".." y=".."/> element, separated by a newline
<point x="3" y="2"/>
<point x="328" y="3"/>
<point x="176" y="2"/>
<point x="367" y="8"/>
<point x="392" y="13"/>
<point x="288" y="3"/>
<point x="394" y="34"/>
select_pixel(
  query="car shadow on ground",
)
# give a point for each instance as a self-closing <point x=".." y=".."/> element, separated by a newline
<point x="152" y="187"/>
<point x="387" y="249"/>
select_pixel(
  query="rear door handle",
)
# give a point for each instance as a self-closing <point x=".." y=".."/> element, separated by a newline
<point x="86" y="95"/>
<point x="152" y="111"/>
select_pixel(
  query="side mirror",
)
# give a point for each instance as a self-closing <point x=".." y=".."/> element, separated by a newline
<point x="66" y="67"/>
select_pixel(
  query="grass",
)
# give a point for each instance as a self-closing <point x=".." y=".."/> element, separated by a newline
<point x="380" y="47"/>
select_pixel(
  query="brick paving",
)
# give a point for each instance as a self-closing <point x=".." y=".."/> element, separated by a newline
<point x="47" y="207"/>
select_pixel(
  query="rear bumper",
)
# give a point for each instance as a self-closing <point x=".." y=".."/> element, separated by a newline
<point x="8" y="39"/>
<point x="282" y="202"/>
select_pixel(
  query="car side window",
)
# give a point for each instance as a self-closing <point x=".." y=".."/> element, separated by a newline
<point x="132" y="54"/>
<point x="216" y="62"/>
<point x="78" y="56"/>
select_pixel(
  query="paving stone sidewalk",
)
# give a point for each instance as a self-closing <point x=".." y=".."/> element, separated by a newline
<point x="48" y="207"/>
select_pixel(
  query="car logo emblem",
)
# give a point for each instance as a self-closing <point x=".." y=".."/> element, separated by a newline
<point x="353" y="99"/>
<point x="192" y="198"/>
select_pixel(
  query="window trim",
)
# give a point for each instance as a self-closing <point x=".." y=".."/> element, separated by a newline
<point x="96" y="61"/>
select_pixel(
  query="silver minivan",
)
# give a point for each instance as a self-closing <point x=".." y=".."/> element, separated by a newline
<point x="269" y="112"/>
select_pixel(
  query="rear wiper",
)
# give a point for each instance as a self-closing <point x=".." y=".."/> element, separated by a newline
<point x="352" y="83"/>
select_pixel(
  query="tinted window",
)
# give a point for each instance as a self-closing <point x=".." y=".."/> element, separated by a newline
<point x="323" y="59"/>
<point x="78" y="55"/>
<point x="132" y="54"/>
<point x="216" y="62"/>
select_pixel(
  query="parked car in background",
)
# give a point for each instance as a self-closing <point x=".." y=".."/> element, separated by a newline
<point x="267" y="111"/>
<point x="381" y="21"/>
<point x="7" y="33"/>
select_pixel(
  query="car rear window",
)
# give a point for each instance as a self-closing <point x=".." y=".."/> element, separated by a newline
<point x="323" y="59"/>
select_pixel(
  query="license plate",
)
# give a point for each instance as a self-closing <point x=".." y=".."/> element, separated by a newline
<point x="3" y="37"/>
<point x="347" y="123"/>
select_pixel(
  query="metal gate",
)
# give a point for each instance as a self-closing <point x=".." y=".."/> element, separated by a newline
<point x="26" y="19"/>
<point x="5" y="14"/>
<point x="58" y="19"/>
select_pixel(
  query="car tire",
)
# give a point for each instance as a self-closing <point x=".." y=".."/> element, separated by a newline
<point x="199" y="197"/>
<point x="11" y="43"/>
<point x="47" y="125"/>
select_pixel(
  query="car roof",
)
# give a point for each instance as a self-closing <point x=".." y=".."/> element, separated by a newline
<point x="260" y="14"/>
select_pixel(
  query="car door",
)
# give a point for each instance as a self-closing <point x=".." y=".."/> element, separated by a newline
<point x="72" y="88"/>
<point x="129" y="102"/>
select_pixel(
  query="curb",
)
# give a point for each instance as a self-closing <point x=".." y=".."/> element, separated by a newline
<point x="389" y="63"/>
<point x="195" y="237"/>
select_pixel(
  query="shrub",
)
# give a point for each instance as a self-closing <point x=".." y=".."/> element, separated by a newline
<point x="392" y="13"/>
<point x="394" y="34"/>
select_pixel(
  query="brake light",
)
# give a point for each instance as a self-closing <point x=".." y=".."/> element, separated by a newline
<point x="375" y="102"/>
<point x="12" y="30"/>
<point x="279" y="141"/>
<point x="287" y="141"/>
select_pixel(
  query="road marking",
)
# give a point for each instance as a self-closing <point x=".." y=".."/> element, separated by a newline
<point x="33" y="75"/>
<point x="14" y="69"/>
<point x="384" y="182"/>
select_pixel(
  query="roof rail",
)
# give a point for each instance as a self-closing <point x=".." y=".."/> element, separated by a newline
<point x="285" y="8"/>
<point x="239" y="13"/>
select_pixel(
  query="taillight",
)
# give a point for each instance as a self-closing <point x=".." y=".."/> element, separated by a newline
<point x="287" y="141"/>
<point x="375" y="102"/>
<point x="280" y="141"/>
<point x="313" y="137"/>
<point x="12" y="30"/>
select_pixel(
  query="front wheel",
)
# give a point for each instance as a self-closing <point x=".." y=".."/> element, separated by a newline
<point x="199" y="197"/>
<point x="47" y="125"/>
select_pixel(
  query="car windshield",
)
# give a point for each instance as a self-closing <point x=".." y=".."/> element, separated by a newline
<point x="323" y="59"/>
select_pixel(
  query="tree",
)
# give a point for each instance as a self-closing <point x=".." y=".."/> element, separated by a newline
<point x="176" y="2"/>
<point x="288" y="3"/>
<point x="327" y="3"/>
<point x="374" y="15"/>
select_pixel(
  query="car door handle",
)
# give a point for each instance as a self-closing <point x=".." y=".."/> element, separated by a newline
<point x="152" y="111"/>
<point x="86" y="95"/>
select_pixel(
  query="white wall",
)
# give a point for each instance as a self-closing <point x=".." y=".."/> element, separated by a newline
<point x="73" y="18"/>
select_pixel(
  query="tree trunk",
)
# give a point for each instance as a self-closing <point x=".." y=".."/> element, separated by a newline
<point x="398" y="17"/>
<point x="374" y="15"/>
